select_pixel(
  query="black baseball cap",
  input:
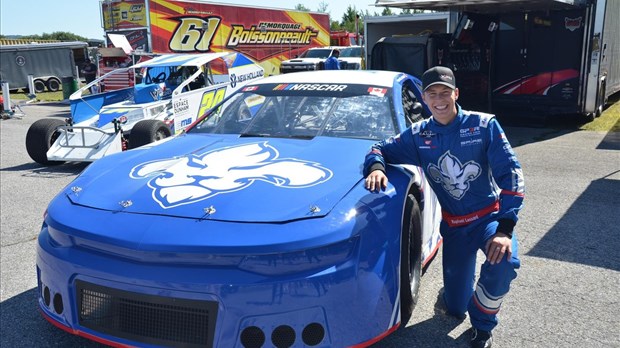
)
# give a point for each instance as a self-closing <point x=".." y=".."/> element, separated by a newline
<point x="439" y="75"/>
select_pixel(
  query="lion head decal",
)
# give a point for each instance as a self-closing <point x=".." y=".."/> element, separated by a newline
<point x="193" y="178"/>
<point x="452" y="175"/>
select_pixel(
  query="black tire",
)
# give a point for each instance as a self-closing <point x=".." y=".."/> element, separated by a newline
<point x="39" y="86"/>
<point x="40" y="137"/>
<point x="148" y="131"/>
<point x="53" y="84"/>
<point x="410" y="259"/>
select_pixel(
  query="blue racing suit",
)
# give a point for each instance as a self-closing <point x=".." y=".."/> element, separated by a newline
<point x="478" y="181"/>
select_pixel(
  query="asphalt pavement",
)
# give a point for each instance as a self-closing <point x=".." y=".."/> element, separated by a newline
<point x="566" y="293"/>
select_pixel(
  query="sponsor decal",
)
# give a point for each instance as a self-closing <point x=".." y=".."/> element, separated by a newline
<point x="471" y="142"/>
<point x="270" y="33"/>
<point x="181" y="105"/>
<point x="250" y="88"/>
<point x="427" y="134"/>
<point x="572" y="24"/>
<point x="193" y="178"/>
<point x="234" y="78"/>
<point x="470" y="132"/>
<point x="311" y="87"/>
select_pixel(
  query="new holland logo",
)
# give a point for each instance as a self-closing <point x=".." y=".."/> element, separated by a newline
<point x="194" y="178"/>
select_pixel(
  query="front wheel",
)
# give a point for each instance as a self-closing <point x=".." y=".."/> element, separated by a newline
<point x="40" y="137"/>
<point x="410" y="259"/>
<point x="148" y="131"/>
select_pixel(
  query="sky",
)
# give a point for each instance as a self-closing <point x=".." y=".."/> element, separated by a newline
<point x="82" y="17"/>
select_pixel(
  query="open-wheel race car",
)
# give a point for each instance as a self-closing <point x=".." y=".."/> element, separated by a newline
<point x="170" y="92"/>
<point x="253" y="228"/>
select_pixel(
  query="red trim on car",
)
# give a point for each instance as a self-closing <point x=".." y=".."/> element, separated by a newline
<point x="82" y="333"/>
<point x="378" y="338"/>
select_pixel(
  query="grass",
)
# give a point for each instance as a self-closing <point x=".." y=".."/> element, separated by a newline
<point x="609" y="121"/>
<point x="45" y="96"/>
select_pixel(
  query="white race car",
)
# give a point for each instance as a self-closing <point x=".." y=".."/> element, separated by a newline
<point x="171" y="93"/>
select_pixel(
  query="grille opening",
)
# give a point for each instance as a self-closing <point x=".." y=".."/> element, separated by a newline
<point x="252" y="337"/>
<point x="146" y="318"/>
<point x="58" y="305"/>
<point x="283" y="336"/>
<point x="313" y="334"/>
<point x="47" y="297"/>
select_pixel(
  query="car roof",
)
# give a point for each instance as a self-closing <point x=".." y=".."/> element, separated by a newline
<point x="361" y="77"/>
<point x="183" y="59"/>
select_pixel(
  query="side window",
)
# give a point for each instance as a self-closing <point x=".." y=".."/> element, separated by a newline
<point x="411" y="105"/>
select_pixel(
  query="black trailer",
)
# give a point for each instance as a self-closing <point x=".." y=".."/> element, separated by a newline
<point x="546" y="56"/>
<point x="47" y="62"/>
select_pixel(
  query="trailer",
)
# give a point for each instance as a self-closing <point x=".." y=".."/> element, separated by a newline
<point x="378" y="29"/>
<point x="266" y="35"/>
<point x="48" y="63"/>
<point x="544" y="56"/>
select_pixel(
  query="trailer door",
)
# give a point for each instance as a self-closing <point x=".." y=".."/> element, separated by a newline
<point x="538" y="60"/>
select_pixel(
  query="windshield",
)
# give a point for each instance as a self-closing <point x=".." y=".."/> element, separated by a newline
<point x="345" y="111"/>
<point x="351" y="52"/>
<point x="316" y="53"/>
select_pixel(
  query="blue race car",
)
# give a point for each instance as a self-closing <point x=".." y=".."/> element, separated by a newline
<point x="252" y="228"/>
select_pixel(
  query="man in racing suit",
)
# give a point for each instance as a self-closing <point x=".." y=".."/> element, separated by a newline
<point x="479" y="184"/>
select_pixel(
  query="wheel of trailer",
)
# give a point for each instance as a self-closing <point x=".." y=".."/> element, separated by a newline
<point x="40" y="137"/>
<point x="410" y="259"/>
<point x="39" y="86"/>
<point x="600" y="103"/>
<point x="148" y="131"/>
<point x="53" y="84"/>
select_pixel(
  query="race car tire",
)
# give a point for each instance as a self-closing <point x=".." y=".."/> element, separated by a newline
<point x="40" y="137"/>
<point x="39" y="86"/>
<point x="410" y="259"/>
<point x="53" y="84"/>
<point x="148" y="131"/>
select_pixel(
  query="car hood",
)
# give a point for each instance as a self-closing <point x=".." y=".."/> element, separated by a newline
<point x="225" y="178"/>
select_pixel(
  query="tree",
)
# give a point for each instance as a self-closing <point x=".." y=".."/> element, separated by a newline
<point x="57" y="35"/>
<point x="387" y="12"/>
<point x="323" y="7"/>
<point x="301" y="7"/>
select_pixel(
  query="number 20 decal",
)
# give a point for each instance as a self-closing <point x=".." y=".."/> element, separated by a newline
<point x="210" y="99"/>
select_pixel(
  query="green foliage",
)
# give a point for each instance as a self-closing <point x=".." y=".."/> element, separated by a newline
<point x="301" y="7"/>
<point x="57" y="35"/>
<point x="387" y="12"/>
<point x="323" y="7"/>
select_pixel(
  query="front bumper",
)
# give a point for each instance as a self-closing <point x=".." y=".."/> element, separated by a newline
<point x="121" y="301"/>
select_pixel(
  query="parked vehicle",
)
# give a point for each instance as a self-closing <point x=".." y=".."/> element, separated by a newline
<point x="251" y="229"/>
<point x="352" y="57"/>
<point x="173" y="91"/>
<point x="545" y="56"/>
<point x="48" y="63"/>
<point x="312" y="59"/>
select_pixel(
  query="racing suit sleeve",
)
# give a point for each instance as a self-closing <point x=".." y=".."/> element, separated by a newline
<point x="399" y="149"/>
<point x="508" y="176"/>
